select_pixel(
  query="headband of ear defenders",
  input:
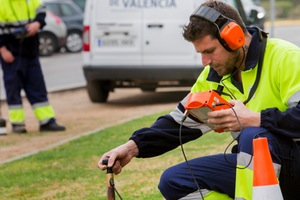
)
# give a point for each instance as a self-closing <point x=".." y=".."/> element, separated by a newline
<point x="231" y="35"/>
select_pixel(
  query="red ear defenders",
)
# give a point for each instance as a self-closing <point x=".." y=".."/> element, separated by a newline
<point x="231" y="35"/>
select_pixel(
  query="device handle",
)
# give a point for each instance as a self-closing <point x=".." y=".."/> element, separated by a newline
<point x="109" y="181"/>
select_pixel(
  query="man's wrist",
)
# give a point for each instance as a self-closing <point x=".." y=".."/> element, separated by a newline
<point x="256" y="119"/>
<point x="132" y="148"/>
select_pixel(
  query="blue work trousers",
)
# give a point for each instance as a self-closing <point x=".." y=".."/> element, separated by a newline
<point x="217" y="172"/>
<point x="24" y="73"/>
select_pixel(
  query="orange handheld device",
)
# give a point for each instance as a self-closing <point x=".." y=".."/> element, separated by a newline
<point x="198" y="104"/>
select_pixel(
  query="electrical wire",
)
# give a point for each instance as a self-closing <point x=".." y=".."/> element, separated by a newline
<point x="241" y="128"/>
<point x="111" y="182"/>
<point x="232" y="74"/>
<point x="185" y="115"/>
<point x="184" y="155"/>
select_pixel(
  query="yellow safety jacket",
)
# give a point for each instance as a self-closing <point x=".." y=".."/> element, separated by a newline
<point x="19" y="12"/>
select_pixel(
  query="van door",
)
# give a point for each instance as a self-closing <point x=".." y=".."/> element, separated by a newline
<point x="163" y="43"/>
<point x="116" y="31"/>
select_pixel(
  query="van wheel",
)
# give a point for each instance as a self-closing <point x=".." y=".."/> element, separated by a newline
<point x="98" y="90"/>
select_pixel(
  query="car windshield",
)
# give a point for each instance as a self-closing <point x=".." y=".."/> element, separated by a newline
<point x="80" y="3"/>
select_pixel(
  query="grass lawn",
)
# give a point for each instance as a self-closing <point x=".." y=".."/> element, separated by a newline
<point x="70" y="170"/>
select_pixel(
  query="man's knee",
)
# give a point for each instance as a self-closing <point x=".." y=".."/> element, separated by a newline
<point x="166" y="186"/>
<point x="246" y="137"/>
<point x="174" y="183"/>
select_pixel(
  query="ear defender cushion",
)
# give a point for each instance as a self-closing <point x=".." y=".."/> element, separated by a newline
<point x="233" y="35"/>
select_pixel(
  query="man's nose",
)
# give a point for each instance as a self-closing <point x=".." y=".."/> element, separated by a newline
<point x="206" y="60"/>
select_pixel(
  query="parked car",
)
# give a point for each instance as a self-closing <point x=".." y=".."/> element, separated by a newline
<point x="53" y="36"/>
<point x="72" y="16"/>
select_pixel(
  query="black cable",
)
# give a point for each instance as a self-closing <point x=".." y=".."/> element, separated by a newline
<point x="232" y="74"/>
<point x="241" y="128"/>
<point x="184" y="155"/>
<point x="112" y="184"/>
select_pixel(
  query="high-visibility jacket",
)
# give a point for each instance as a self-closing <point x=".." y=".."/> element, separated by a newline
<point x="14" y="15"/>
<point x="19" y="12"/>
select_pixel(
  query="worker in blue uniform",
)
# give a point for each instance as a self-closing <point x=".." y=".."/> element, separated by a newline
<point x="20" y="21"/>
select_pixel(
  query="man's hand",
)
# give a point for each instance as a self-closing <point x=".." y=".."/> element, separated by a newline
<point x="229" y="121"/>
<point x="33" y="28"/>
<point x="119" y="156"/>
<point x="6" y="55"/>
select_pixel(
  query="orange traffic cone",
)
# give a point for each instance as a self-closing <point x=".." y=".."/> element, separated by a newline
<point x="265" y="183"/>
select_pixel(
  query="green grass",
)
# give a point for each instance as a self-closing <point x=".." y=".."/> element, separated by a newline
<point x="70" y="170"/>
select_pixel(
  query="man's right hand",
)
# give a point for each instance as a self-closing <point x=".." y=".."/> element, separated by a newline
<point x="119" y="156"/>
<point x="6" y="55"/>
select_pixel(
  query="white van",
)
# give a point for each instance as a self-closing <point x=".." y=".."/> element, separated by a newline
<point x="139" y="43"/>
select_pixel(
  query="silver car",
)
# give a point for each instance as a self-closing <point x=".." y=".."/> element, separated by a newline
<point x="72" y="15"/>
<point x="53" y="36"/>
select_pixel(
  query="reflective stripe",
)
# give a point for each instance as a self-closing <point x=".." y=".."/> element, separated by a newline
<point x="16" y="114"/>
<point x="294" y="99"/>
<point x="15" y="107"/>
<point x="41" y="9"/>
<point x="41" y="104"/>
<point x="244" y="159"/>
<point x="7" y="30"/>
<point x="14" y="23"/>
<point x="277" y="169"/>
<point x="177" y="115"/>
<point x="207" y="194"/>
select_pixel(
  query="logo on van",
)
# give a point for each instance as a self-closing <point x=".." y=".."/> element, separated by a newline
<point x="143" y="3"/>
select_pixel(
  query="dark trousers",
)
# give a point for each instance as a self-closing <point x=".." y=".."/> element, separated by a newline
<point x="24" y="73"/>
<point x="217" y="172"/>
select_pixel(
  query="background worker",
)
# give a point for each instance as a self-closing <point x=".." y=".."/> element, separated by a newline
<point x="20" y="21"/>
<point x="263" y="90"/>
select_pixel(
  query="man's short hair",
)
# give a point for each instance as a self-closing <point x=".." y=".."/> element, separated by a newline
<point x="199" y="27"/>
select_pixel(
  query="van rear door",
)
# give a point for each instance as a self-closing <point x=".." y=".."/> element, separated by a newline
<point x="117" y="31"/>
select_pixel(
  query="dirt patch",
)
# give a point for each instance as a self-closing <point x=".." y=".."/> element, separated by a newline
<point x="74" y="110"/>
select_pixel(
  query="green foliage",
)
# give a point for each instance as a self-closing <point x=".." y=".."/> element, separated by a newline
<point x="70" y="172"/>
